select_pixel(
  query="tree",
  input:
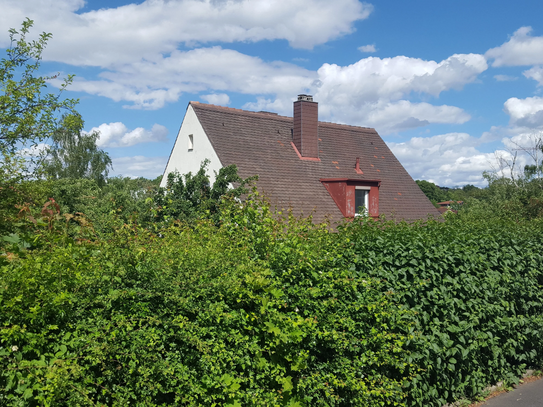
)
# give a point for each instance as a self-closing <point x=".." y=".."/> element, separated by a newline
<point x="74" y="154"/>
<point x="186" y="197"/>
<point x="535" y="171"/>
<point x="432" y="191"/>
<point x="508" y="170"/>
<point x="27" y="115"/>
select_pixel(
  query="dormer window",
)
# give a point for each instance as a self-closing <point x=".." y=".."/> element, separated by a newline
<point x="354" y="197"/>
<point x="361" y="199"/>
<point x="191" y="142"/>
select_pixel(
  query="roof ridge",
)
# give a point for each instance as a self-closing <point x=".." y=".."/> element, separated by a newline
<point x="273" y="115"/>
<point x="270" y="115"/>
<point x="345" y="125"/>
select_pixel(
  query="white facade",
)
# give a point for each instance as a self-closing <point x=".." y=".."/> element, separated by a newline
<point x="191" y="148"/>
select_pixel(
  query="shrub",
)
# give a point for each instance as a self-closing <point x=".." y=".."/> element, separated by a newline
<point x="475" y="289"/>
<point x="254" y="312"/>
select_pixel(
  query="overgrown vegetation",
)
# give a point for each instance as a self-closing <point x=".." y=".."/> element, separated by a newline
<point x="117" y="292"/>
<point x="260" y="310"/>
<point x="517" y="197"/>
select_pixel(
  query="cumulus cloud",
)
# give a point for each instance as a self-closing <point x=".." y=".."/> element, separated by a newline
<point x="521" y="49"/>
<point x="125" y="34"/>
<point x="448" y="160"/>
<point x="374" y="91"/>
<point x="34" y="151"/>
<point x="386" y="117"/>
<point x="526" y="113"/>
<point x="137" y="46"/>
<point x="521" y="139"/>
<point x="527" y="141"/>
<point x="139" y="166"/>
<point x="152" y="84"/>
<point x="392" y="117"/>
<point x="393" y="78"/>
<point x="221" y="99"/>
<point x="367" y="48"/>
<point x="118" y="135"/>
<point x="371" y="92"/>
<point x="524" y="130"/>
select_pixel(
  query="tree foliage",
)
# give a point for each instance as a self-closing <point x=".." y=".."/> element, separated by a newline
<point x="27" y="114"/>
<point x="534" y="171"/>
<point x="432" y="191"/>
<point x="74" y="153"/>
<point x="191" y="196"/>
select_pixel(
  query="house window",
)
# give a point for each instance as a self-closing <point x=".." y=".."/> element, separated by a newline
<point x="191" y="142"/>
<point x="361" y="198"/>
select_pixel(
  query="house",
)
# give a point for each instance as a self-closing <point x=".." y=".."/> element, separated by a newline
<point x="446" y="206"/>
<point x="325" y="169"/>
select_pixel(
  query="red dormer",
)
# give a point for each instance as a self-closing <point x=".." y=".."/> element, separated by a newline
<point x="354" y="196"/>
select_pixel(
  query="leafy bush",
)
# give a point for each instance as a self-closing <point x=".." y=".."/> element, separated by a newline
<point x="255" y="308"/>
<point x="476" y="291"/>
<point x="253" y="312"/>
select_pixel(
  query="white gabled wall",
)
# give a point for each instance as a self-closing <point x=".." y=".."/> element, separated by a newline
<point x="183" y="160"/>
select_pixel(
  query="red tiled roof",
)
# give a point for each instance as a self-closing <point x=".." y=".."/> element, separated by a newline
<point x="260" y="143"/>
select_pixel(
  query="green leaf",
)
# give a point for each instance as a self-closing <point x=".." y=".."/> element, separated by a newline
<point x="287" y="384"/>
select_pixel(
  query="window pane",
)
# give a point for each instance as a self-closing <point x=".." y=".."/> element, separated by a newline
<point x="360" y="200"/>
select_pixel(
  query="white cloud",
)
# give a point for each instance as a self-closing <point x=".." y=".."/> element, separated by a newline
<point x="220" y="99"/>
<point x="520" y="139"/>
<point x="521" y="135"/>
<point x="386" y="117"/>
<point x="118" y="135"/>
<point x="447" y="160"/>
<point x="373" y="91"/>
<point x="367" y="48"/>
<point x="393" y="78"/>
<point x="126" y="34"/>
<point x="151" y="84"/>
<point x="404" y="115"/>
<point x="535" y="73"/>
<point x="525" y="113"/>
<point x="505" y="78"/>
<point x="521" y="49"/>
<point x="137" y="45"/>
<point x="139" y="166"/>
<point x="526" y="140"/>
<point x="281" y="105"/>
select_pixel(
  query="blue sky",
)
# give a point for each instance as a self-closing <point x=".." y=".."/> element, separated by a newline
<point x="454" y="88"/>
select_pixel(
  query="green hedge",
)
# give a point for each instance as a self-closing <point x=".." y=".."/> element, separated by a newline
<point x="197" y="318"/>
<point x="271" y="312"/>
<point x="476" y="292"/>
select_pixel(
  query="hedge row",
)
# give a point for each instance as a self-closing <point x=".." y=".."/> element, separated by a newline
<point x="475" y="294"/>
<point x="273" y="312"/>
<point x="195" y="317"/>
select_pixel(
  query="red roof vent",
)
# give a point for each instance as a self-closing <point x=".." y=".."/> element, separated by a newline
<point x="357" y="166"/>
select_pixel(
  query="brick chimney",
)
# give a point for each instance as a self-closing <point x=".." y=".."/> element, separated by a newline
<point x="305" y="134"/>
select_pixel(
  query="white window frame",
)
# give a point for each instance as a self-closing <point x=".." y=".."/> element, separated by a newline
<point x="366" y="200"/>
<point x="191" y="142"/>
